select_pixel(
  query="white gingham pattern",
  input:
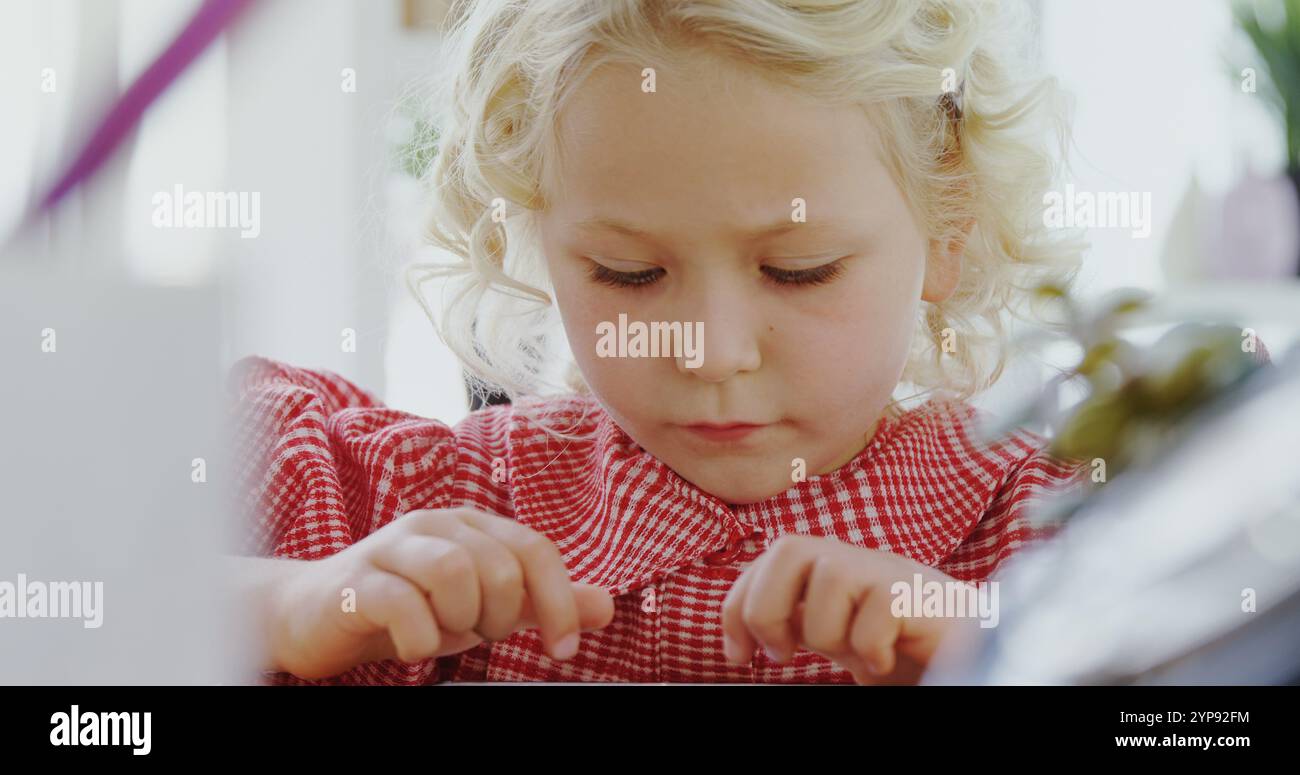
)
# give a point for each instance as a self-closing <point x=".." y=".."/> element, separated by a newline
<point x="325" y="464"/>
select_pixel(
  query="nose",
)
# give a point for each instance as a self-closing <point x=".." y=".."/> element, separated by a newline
<point x="726" y="326"/>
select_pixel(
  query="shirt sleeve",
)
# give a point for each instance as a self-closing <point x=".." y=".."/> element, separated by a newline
<point x="1007" y="525"/>
<point x="322" y="464"/>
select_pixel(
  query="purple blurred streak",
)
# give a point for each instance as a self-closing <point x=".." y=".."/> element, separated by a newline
<point x="208" y="22"/>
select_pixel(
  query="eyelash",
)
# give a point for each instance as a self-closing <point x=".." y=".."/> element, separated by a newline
<point x="816" y="276"/>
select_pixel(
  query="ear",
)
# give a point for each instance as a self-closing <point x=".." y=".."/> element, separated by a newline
<point x="943" y="264"/>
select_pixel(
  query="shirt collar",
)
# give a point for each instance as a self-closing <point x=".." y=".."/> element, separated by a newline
<point x="622" y="517"/>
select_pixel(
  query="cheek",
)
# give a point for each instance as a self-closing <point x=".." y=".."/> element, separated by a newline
<point x="580" y="310"/>
<point x="854" y="343"/>
<point x="576" y="299"/>
<point x="583" y="306"/>
<point x="865" y="351"/>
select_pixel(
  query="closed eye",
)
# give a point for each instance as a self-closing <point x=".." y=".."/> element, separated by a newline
<point x="818" y="275"/>
<point x="612" y="277"/>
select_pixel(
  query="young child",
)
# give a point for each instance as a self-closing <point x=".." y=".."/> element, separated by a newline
<point x="830" y="201"/>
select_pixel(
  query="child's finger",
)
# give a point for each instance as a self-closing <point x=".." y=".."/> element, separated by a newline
<point x="392" y="604"/>
<point x="595" y="609"/>
<point x="737" y="644"/>
<point x="500" y="579"/>
<point x="546" y="580"/>
<point x="875" y="630"/>
<point x="862" y="675"/>
<point x="828" y="609"/>
<point x="595" y="606"/>
<point x="445" y="571"/>
<point x="777" y="588"/>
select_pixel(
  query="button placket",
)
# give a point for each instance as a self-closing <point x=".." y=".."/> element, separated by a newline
<point x="734" y="549"/>
<point x="726" y="555"/>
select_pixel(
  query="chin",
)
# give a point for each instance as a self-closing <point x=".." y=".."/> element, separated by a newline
<point x="738" y="485"/>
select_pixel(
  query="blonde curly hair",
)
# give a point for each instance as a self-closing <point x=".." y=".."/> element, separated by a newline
<point x="980" y="151"/>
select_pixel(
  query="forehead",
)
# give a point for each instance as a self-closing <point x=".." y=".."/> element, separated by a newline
<point x="715" y="144"/>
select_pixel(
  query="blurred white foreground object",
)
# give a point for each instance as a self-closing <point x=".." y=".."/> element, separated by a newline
<point x="109" y="397"/>
<point x="1185" y="573"/>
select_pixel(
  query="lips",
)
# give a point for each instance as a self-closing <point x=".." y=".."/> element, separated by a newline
<point x="733" y="431"/>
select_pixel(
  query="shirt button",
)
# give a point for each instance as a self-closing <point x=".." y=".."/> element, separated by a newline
<point x="716" y="559"/>
<point x="724" y="556"/>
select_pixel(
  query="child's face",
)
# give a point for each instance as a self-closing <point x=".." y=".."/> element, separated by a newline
<point x="806" y="327"/>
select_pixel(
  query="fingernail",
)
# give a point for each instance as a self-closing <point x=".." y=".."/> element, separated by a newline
<point x="567" y="647"/>
<point x="730" y="649"/>
<point x="773" y="654"/>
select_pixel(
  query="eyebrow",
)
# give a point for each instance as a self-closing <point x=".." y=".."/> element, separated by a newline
<point x="772" y="229"/>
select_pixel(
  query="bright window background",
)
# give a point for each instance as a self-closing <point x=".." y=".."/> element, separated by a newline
<point x="1156" y="104"/>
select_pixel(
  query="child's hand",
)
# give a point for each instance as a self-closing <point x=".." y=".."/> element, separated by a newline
<point x="834" y="599"/>
<point x="428" y="584"/>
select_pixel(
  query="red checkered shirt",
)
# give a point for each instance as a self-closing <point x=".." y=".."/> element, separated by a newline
<point x="325" y="464"/>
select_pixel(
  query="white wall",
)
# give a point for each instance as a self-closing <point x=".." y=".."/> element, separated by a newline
<point x="293" y="135"/>
<point x="329" y="253"/>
